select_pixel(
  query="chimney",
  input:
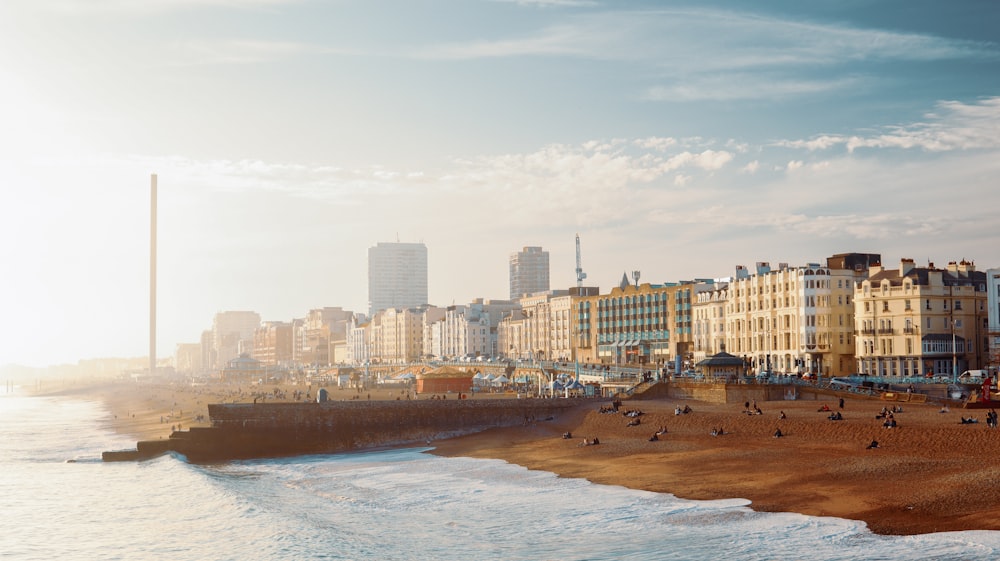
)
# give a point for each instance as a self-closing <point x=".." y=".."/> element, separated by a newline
<point x="905" y="266"/>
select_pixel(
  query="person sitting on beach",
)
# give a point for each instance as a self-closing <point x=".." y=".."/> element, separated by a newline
<point x="873" y="444"/>
<point x="567" y="435"/>
<point x="596" y="441"/>
<point x="757" y="411"/>
<point x="944" y="409"/>
<point x="782" y="415"/>
<point x="777" y="434"/>
<point x="687" y="409"/>
<point x="969" y="421"/>
<point x="824" y="408"/>
<point x="634" y="422"/>
<point x="889" y="423"/>
<point x="663" y="430"/>
<point x="677" y="410"/>
<point x="836" y="417"/>
<point x="655" y="437"/>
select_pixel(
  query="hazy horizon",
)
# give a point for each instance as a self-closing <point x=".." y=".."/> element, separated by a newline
<point x="679" y="139"/>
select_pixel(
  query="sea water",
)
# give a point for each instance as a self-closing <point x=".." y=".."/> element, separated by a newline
<point x="59" y="501"/>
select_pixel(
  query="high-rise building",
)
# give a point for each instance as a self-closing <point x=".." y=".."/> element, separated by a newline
<point x="397" y="276"/>
<point x="529" y="272"/>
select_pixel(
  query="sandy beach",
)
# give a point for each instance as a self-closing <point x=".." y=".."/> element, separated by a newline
<point x="929" y="474"/>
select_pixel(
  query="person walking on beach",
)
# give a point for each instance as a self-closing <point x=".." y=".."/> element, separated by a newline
<point x="841" y="403"/>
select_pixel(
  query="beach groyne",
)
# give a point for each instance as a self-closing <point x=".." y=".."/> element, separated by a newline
<point x="259" y="430"/>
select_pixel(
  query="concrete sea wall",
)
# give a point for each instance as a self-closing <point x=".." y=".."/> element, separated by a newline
<point x="243" y="430"/>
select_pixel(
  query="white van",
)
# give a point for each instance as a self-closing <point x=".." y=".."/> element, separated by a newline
<point x="973" y="374"/>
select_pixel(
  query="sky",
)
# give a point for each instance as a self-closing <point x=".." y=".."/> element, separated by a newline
<point x="677" y="138"/>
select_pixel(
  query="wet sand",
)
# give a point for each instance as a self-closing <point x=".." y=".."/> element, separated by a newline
<point x="930" y="474"/>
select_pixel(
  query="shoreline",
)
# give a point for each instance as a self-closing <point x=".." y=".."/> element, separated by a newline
<point x="931" y="474"/>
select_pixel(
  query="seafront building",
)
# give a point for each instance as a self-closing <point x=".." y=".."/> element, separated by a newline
<point x="468" y="330"/>
<point x="397" y="276"/>
<point x="529" y="272"/>
<point x="795" y="320"/>
<point x="709" y="322"/>
<point x="541" y="329"/>
<point x="232" y="335"/>
<point x="993" y="308"/>
<point x="644" y="324"/>
<point x="922" y="321"/>
<point x="273" y="344"/>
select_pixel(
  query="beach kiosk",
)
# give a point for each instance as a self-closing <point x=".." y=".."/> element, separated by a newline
<point x="444" y="380"/>
<point x="722" y="366"/>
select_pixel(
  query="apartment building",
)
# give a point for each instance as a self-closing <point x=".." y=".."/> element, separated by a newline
<point x="922" y="321"/>
<point x="273" y="344"/>
<point x="708" y="335"/>
<point x="795" y="319"/>
<point x="637" y="324"/>
<point x="993" y="307"/>
<point x="540" y="329"/>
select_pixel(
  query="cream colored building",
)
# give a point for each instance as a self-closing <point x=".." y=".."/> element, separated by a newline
<point x="396" y="335"/>
<point x="540" y="329"/>
<point x="709" y="327"/>
<point x="922" y="321"/>
<point x="795" y="320"/>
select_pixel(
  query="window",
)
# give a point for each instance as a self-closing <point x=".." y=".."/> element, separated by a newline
<point x="958" y="304"/>
<point x="907" y="303"/>
<point x="885" y="306"/>
<point x="927" y="304"/>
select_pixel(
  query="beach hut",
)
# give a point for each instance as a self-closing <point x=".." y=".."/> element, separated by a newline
<point x="443" y="380"/>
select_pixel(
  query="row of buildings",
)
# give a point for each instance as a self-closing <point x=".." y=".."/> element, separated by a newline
<point x="848" y="315"/>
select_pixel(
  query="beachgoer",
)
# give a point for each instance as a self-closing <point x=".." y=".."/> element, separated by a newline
<point x="873" y="444"/>
<point x="777" y="434"/>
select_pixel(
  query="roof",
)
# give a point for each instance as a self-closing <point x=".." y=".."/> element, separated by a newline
<point x="721" y="359"/>
<point x="445" y="372"/>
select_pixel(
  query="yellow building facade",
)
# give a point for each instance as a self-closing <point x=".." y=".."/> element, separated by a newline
<point x="922" y="321"/>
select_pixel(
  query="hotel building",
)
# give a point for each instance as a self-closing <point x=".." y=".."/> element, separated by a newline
<point x="922" y="321"/>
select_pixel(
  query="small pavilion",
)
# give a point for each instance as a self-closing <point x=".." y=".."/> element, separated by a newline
<point x="722" y="365"/>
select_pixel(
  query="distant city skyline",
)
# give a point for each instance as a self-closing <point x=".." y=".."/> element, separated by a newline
<point x="289" y="136"/>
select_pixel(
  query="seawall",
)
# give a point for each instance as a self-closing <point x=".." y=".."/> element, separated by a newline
<point x="244" y="430"/>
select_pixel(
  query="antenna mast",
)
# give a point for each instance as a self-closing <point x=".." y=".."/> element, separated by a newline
<point x="580" y="275"/>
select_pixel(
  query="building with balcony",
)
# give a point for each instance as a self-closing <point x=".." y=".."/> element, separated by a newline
<point x="795" y="319"/>
<point x="637" y="324"/>
<point x="922" y="321"/>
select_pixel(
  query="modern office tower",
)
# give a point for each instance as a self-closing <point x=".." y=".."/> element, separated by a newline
<point x="397" y="276"/>
<point x="529" y="272"/>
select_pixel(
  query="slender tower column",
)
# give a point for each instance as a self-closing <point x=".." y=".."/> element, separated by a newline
<point x="152" y="275"/>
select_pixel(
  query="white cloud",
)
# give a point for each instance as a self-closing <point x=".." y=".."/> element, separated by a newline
<point x="751" y="168"/>
<point x="955" y="126"/>
<point x="793" y="165"/>
<point x="659" y="144"/>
